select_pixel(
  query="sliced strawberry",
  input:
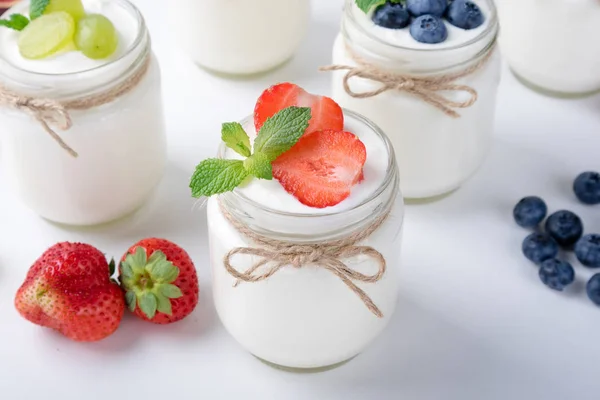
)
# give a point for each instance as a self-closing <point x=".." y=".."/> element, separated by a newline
<point x="322" y="167"/>
<point x="326" y="113"/>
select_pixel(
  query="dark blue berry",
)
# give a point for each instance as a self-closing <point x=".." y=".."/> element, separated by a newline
<point x="565" y="227"/>
<point x="428" y="29"/>
<point x="587" y="250"/>
<point x="587" y="187"/>
<point x="556" y="274"/>
<point x="539" y="247"/>
<point x="464" y="14"/>
<point x="530" y="211"/>
<point x="593" y="289"/>
<point x="431" y="7"/>
<point x="391" y="16"/>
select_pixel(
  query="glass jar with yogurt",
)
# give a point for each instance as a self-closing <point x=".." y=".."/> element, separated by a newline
<point x="552" y="45"/>
<point x="309" y="316"/>
<point x="120" y="143"/>
<point x="436" y="102"/>
<point x="239" y="37"/>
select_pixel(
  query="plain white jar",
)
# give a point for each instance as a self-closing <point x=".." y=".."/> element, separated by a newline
<point x="553" y="44"/>
<point x="435" y="153"/>
<point x="121" y="145"/>
<point x="307" y="317"/>
<point x="239" y="37"/>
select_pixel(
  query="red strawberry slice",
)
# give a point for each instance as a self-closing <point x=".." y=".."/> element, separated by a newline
<point x="326" y="113"/>
<point x="322" y="167"/>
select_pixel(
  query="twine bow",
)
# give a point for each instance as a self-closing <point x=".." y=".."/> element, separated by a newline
<point x="52" y="113"/>
<point x="427" y="88"/>
<point x="276" y="254"/>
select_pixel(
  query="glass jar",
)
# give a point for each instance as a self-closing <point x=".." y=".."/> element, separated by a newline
<point x="552" y="45"/>
<point x="307" y="317"/>
<point x="121" y="144"/>
<point x="239" y="37"/>
<point x="436" y="152"/>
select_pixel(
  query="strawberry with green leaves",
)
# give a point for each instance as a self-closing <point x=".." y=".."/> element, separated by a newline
<point x="69" y="289"/>
<point x="159" y="280"/>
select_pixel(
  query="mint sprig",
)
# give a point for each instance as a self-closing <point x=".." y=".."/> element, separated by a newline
<point x="277" y="135"/>
<point x="18" y="22"/>
<point x="37" y="8"/>
<point x="367" y="5"/>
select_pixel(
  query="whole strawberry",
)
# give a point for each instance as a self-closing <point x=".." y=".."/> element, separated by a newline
<point x="69" y="289"/>
<point x="159" y="280"/>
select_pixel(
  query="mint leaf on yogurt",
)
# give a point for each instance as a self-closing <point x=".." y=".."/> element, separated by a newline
<point x="277" y="135"/>
<point x="259" y="165"/>
<point x="18" y="22"/>
<point x="234" y="136"/>
<point x="37" y="8"/>
<point x="280" y="132"/>
<point x="215" y="176"/>
<point x="367" y="5"/>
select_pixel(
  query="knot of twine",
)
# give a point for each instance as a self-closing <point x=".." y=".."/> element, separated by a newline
<point x="53" y="114"/>
<point x="427" y="88"/>
<point x="275" y="254"/>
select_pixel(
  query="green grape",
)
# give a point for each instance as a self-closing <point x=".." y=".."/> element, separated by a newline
<point x="96" y="36"/>
<point x="46" y="35"/>
<point x="73" y="7"/>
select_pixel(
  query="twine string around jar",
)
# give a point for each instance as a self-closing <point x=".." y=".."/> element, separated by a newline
<point x="275" y="254"/>
<point x="54" y="114"/>
<point x="427" y="88"/>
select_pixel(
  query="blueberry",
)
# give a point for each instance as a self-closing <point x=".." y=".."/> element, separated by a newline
<point x="556" y="274"/>
<point x="565" y="227"/>
<point x="593" y="289"/>
<point x="391" y="16"/>
<point x="587" y="250"/>
<point x="530" y="211"/>
<point x="539" y="247"/>
<point x="587" y="187"/>
<point x="464" y="14"/>
<point x="428" y="29"/>
<point x="422" y="7"/>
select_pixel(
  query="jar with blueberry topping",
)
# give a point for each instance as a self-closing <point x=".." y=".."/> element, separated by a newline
<point x="552" y="45"/>
<point x="427" y="73"/>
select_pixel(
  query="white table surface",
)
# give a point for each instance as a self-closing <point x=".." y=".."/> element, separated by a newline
<point x="473" y="320"/>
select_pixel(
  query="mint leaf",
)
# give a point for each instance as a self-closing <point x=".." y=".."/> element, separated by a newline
<point x="280" y="132"/>
<point x="214" y="176"/>
<point x="259" y="165"/>
<point x="367" y="5"/>
<point x="236" y="138"/>
<point x="37" y="8"/>
<point x="18" y="22"/>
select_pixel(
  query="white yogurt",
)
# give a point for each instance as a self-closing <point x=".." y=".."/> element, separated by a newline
<point x="239" y="36"/>
<point x="121" y="145"/>
<point x="307" y="317"/>
<point x="553" y="44"/>
<point x="435" y="153"/>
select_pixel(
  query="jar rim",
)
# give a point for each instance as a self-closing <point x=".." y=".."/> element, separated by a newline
<point x="140" y="37"/>
<point x="493" y="26"/>
<point x="390" y="176"/>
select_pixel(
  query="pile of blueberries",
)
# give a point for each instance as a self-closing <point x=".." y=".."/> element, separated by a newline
<point x="563" y="229"/>
<point x="425" y="17"/>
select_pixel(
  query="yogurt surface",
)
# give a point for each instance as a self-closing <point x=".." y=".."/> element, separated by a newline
<point x="71" y="61"/>
<point x="403" y="38"/>
<point x="271" y="194"/>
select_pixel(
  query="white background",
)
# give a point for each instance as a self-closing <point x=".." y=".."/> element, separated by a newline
<point x="473" y="320"/>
